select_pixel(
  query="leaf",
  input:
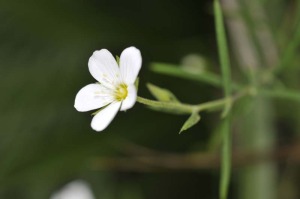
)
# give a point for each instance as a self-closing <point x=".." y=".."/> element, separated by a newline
<point x="169" y="110"/>
<point x="285" y="94"/>
<point x="118" y="59"/>
<point x="136" y="83"/>
<point x="169" y="107"/>
<point x="177" y="71"/>
<point x="191" y="121"/>
<point x="203" y="77"/>
<point x="162" y="94"/>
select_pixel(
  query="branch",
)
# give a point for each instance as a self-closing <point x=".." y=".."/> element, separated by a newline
<point x="192" y="161"/>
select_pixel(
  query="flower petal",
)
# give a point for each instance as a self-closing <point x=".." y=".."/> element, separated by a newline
<point x="130" y="99"/>
<point x="92" y="96"/>
<point x="130" y="64"/>
<point x="102" y="119"/>
<point x="104" y="68"/>
<point x="74" y="190"/>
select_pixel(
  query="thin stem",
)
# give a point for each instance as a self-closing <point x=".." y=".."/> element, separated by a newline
<point x="286" y="94"/>
<point x="222" y="47"/>
<point x="226" y="74"/>
<point x="225" y="158"/>
<point x="189" y="108"/>
<point x="184" y="108"/>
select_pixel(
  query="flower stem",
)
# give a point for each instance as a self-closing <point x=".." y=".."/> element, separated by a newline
<point x="183" y="108"/>
<point x="189" y="108"/>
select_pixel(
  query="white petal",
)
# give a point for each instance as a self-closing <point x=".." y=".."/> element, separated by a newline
<point x="92" y="96"/>
<point x="102" y="119"/>
<point x="130" y="99"/>
<point x="74" y="190"/>
<point x="130" y="64"/>
<point x="104" y="68"/>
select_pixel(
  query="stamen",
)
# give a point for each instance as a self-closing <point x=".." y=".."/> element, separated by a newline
<point x="121" y="92"/>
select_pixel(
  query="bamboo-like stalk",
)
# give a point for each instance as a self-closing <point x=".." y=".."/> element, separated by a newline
<point x="256" y="128"/>
<point x="257" y="134"/>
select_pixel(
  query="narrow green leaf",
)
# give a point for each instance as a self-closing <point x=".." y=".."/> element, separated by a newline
<point x="285" y="94"/>
<point x="169" y="110"/>
<point x="223" y="53"/>
<point x="191" y="121"/>
<point x="118" y="59"/>
<point x="169" y="107"/>
<point x="136" y="83"/>
<point x="177" y="71"/>
<point x="203" y="77"/>
<point x="162" y="94"/>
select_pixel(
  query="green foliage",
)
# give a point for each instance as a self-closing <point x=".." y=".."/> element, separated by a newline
<point x="190" y="122"/>
<point x="283" y="94"/>
<point x="162" y="94"/>
<point x="177" y="71"/>
<point x="118" y="59"/>
<point x="45" y="143"/>
<point x="137" y="83"/>
<point x="204" y="76"/>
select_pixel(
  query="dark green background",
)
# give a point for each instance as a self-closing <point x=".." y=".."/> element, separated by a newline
<point x="45" y="143"/>
<point x="44" y="49"/>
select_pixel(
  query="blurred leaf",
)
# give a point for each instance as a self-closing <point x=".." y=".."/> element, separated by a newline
<point x="168" y="107"/>
<point x="285" y="94"/>
<point x="177" y="71"/>
<point x="194" y="63"/>
<point x="136" y="83"/>
<point x="191" y="121"/>
<point x="162" y="94"/>
<point x="118" y="59"/>
<point x="169" y="110"/>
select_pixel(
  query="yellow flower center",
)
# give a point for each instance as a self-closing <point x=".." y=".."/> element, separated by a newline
<point x="121" y="92"/>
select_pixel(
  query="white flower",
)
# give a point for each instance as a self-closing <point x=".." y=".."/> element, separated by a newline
<point x="74" y="190"/>
<point x="115" y="90"/>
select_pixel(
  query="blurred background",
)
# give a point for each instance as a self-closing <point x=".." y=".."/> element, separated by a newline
<point x="45" y="143"/>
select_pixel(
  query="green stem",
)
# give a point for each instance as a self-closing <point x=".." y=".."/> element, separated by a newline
<point x="226" y="74"/>
<point x="189" y="108"/>
<point x="286" y="94"/>
<point x="184" y="108"/>
<point x="222" y="47"/>
<point x="225" y="158"/>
